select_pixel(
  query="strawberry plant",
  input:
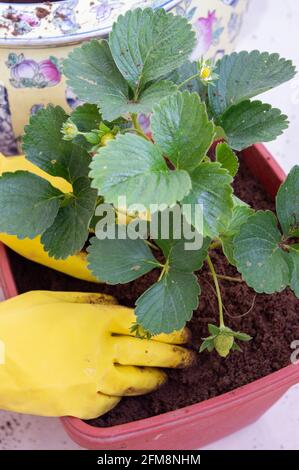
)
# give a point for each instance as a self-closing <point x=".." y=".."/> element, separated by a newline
<point x="103" y="152"/>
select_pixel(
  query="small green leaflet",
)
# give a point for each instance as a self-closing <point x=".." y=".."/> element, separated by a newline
<point x="69" y="232"/>
<point x="287" y="204"/>
<point x="263" y="264"/>
<point x="294" y="254"/>
<point x="44" y="146"/>
<point x="244" y="75"/>
<point x="147" y="45"/>
<point x="211" y="188"/>
<point x="29" y="204"/>
<point x="211" y="342"/>
<point x="239" y="202"/>
<point x="120" y="261"/>
<point x="168" y="305"/>
<point x="150" y="96"/>
<point x="182" y="129"/>
<point x="134" y="167"/>
<point x="249" y="122"/>
<point x="241" y="213"/>
<point x="227" y="158"/>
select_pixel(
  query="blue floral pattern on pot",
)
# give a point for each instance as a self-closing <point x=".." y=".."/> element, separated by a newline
<point x="28" y="73"/>
<point x="76" y="17"/>
<point x="65" y="17"/>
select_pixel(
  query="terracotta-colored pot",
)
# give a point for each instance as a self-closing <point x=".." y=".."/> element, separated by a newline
<point x="194" y="426"/>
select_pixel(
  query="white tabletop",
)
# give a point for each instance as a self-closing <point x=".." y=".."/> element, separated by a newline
<point x="270" y="25"/>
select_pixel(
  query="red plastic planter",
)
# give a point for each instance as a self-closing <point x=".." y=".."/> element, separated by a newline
<point x="194" y="426"/>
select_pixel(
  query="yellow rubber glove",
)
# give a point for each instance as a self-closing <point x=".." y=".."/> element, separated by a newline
<point x="76" y="265"/>
<point x="73" y="354"/>
<point x="20" y="163"/>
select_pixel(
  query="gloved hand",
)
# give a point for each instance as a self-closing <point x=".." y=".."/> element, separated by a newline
<point x="76" y="265"/>
<point x="73" y="354"/>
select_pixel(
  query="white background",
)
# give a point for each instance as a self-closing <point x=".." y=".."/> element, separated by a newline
<point x="271" y="25"/>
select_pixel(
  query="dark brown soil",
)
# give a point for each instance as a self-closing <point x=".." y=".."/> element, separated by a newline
<point x="273" y="323"/>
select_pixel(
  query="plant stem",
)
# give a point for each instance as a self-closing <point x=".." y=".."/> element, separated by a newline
<point x="164" y="270"/>
<point x="218" y="292"/>
<point x="188" y="80"/>
<point x="141" y="134"/>
<point x="216" y="244"/>
<point x="152" y="245"/>
<point x="228" y="278"/>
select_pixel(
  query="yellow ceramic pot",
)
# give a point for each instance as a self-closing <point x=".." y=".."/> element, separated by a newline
<point x="35" y="38"/>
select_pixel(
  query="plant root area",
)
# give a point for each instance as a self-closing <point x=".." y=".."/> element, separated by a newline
<point x="272" y="321"/>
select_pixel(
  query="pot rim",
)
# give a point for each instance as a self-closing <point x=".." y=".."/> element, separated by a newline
<point x="287" y="376"/>
<point x="85" y="29"/>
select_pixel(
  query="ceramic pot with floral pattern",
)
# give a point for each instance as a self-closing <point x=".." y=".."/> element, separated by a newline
<point x="36" y="37"/>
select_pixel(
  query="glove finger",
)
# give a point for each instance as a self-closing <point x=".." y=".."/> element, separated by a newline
<point x="87" y="298"/>
<point x="141" y="352"/>
<point x="90" y="406"/>
<point x="83" y="298"/>
<point x="131" y="381"/>
<point x="35" y="298"/>
<point x="177" y="337"/>
<point x="122" y="318"/>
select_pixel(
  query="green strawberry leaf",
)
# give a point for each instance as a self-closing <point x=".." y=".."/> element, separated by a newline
<point x="167" y="305"/>
<point x="240" y="216"/>
<point x="227" y="158"/>
<point x="211" y="188"/>
<point x="287" y="204"/>
<point x="70" y="230"/>
<point x="294" y="255"/>
<point x="147" y="45"/>
<point x="133" y="167"/>
<point x="44" y="146"/>
<point x="120" y="261"/>
<point x="94" y="77"/>
<point x="207" y="344"/>
<point x="86" y="117"/>
<point x="243" y="75"/>
<point x="236" y="347"/>
<point x="259" y="258"/>
<point x="248" y="122"/>
<point x="182" y="259"/>
<point x="29" y="204"/>
<point x="149" y="97"/>
<point x="182" y="129"/>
